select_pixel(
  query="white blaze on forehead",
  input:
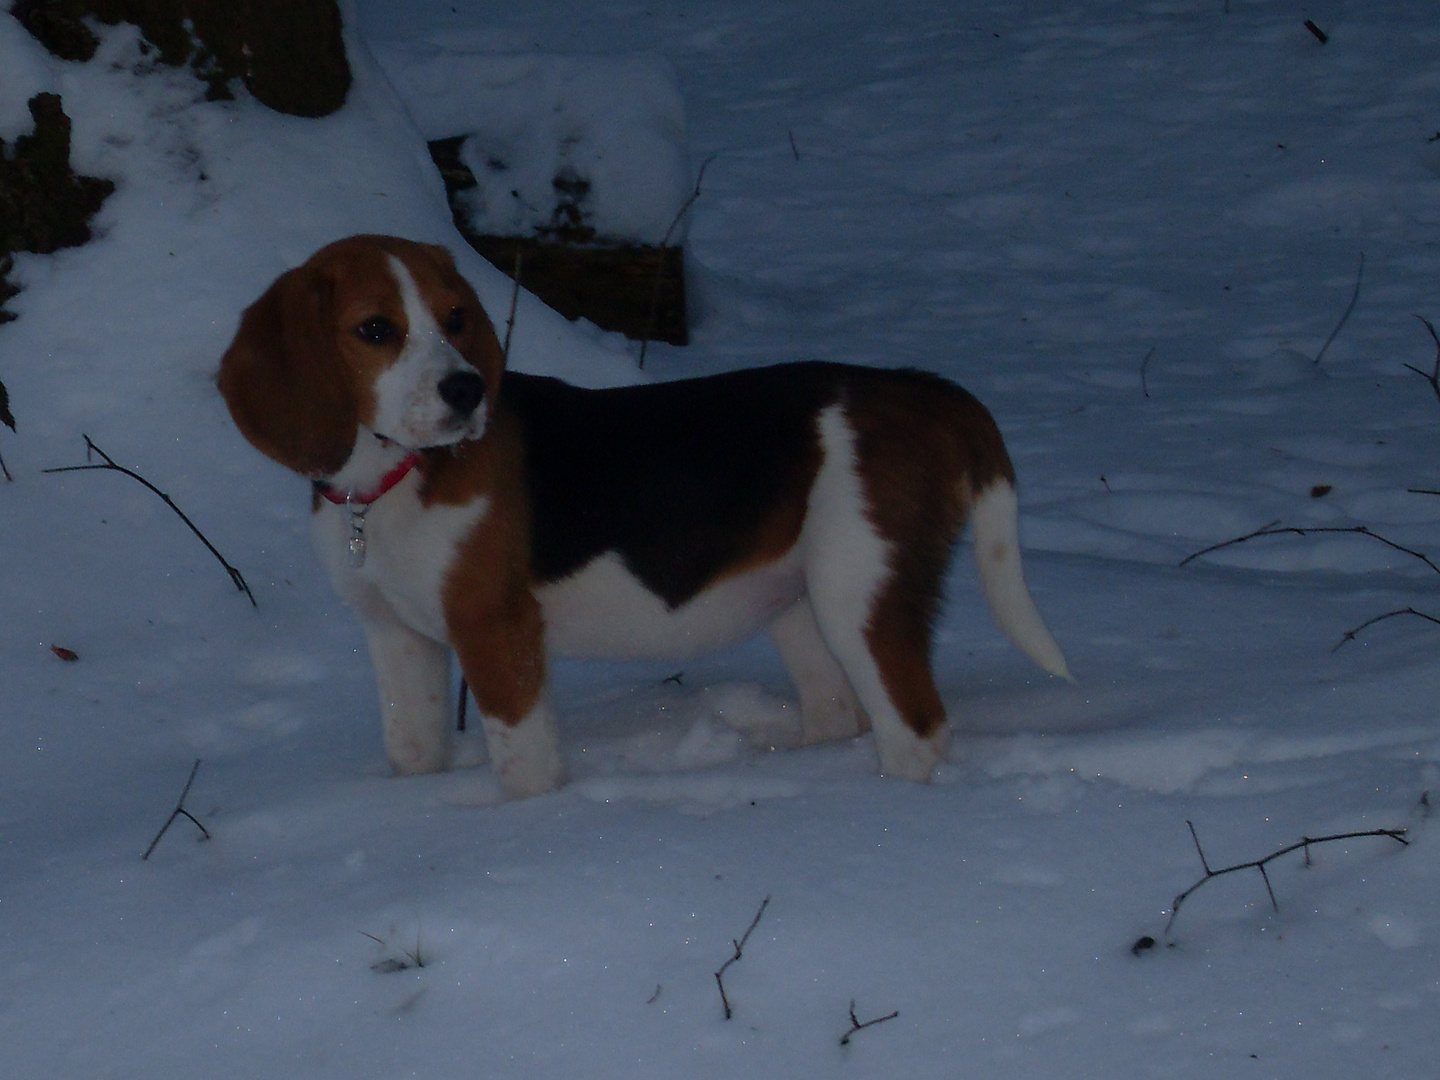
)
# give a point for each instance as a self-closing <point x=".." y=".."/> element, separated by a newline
<point x="417" y="313"/>
<point x="408" y="406"/>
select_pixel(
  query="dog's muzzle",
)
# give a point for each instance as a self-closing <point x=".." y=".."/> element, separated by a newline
<point x="462" y="391"/>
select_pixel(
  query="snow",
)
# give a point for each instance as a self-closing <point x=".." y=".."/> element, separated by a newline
<point x="602" y="137"/>
<point x="1128" y="228"/>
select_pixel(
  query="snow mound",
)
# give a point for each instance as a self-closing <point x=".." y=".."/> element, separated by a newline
<point x="555" y="143"/>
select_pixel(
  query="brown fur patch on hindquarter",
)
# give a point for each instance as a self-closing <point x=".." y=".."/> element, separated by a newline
<point x="925" y="447"/>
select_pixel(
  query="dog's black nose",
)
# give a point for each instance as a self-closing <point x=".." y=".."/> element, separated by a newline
<point x="462" y="391"/>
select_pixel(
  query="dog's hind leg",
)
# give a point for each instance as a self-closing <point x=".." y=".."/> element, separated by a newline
<point x="878" y="640"/>
<point x="829" y="708"/>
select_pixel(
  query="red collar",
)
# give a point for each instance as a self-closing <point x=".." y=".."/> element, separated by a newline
<point x="388" y="481"/>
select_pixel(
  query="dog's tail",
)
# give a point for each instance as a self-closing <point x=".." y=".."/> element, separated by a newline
<point x="994" y="518"/>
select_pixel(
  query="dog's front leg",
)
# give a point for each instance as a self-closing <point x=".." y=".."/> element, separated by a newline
<point x="412" y="673"/>
<point x="502" y="653"/>
<point x="412" y="670"/>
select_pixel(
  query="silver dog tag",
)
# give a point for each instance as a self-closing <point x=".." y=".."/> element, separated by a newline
<point x="356" y="545"/>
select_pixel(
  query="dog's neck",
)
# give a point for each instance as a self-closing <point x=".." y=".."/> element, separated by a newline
<point x="374" y="467"/>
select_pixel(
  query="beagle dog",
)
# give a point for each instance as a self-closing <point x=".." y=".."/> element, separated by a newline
<point x="507" y="516"/>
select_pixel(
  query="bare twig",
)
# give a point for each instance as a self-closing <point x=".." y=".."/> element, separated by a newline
<point x="1354" y="298"/>
<point x="514" y="302"/>
<point x="8" y="419"/>
<point x="110" y="466"/>
<point x="1320" y="35"/>
<point x="1397" y="835"/>
<point x="389" y="965"/>
<point x="1144" y="367"/>
<point x="739" y="951"/>
<point x="1350" y="634"/>
<point x="1264" y="530"/>
<point x="1276" y="529"/>
<point x="665" y="243"/>
<point x="793" y="148"/>
<point x="856" y="1025"/>
<point x="689" y="202"/>
<point x="1433" y="377"/>
<point x="179" y="811"/>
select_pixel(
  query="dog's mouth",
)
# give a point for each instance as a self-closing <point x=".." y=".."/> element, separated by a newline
<point x="449" y="412"/>
<point x="453" y="431"/>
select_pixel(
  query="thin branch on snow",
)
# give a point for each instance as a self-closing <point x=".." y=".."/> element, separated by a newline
<point x="514" y="302"/>
<point x="856" y="1025"/>
<point x="460" y="705"/>
<point x="739" y="951"/>
<point x="1350" y="634"/>
<point x="665" y="243"/>
<point x="1432" y="377"/>
<point x="179" y="811"/>
<point x="389" y="965"/>
<point x="689" y="202"/>
<point x="1276" y="529"/>
<point x="1354" y="297"/>
<point x="8" y="419"/>
<point x="110" y="466"/>
<point x="1397" y="835"/>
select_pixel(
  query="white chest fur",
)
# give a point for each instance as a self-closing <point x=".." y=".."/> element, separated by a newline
<point x="409" y="549"/>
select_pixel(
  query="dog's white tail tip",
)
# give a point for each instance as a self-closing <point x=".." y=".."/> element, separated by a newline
<point x="995" y="519"/>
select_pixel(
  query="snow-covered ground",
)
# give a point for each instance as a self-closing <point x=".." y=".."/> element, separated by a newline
<point x="1128" y="228"/>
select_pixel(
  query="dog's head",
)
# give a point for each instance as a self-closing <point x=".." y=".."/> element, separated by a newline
<point x="371" y="334"/>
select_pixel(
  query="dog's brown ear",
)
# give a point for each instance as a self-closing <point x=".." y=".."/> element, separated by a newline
<point x="283" y="380"/>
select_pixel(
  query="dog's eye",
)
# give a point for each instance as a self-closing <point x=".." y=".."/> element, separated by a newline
<point x="376" y="330"/>
<point x="455" y="321"/>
